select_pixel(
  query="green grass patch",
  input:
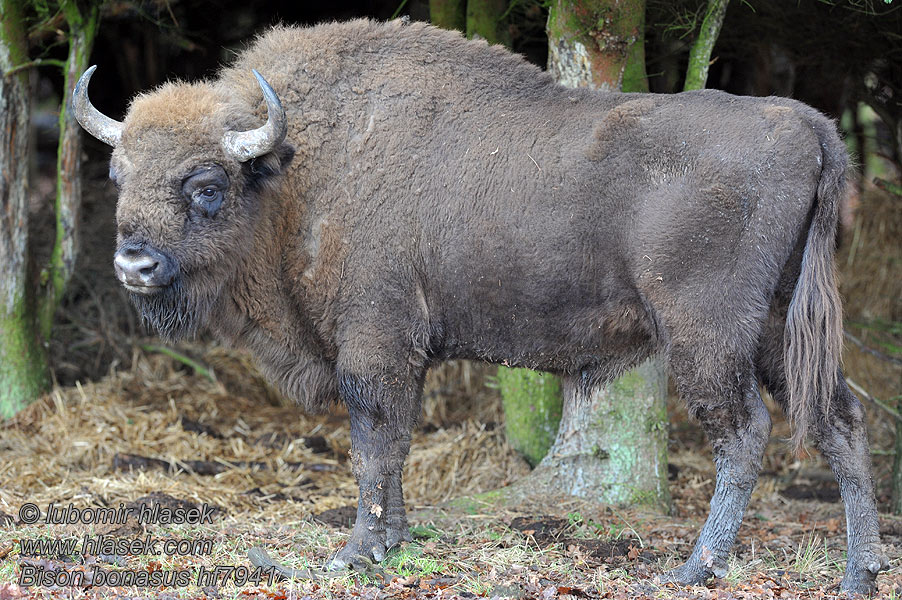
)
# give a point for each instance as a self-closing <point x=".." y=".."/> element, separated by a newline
<point x="410" y="559"/>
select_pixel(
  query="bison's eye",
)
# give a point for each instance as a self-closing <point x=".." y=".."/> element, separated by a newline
<point x="208" y="199"/>
<point x="205" y="188"/>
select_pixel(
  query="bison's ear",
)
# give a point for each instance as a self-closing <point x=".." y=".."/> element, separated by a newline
<point x="262" y="168"/>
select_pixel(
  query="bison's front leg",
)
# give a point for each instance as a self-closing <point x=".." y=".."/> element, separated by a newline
<point x="383" y="411"/>
<point x="738" y="430"/>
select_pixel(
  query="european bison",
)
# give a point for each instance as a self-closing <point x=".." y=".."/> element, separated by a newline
<point x="413" y="197"/>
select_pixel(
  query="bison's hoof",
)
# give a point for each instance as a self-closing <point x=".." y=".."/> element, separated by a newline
<point x="359" y="553"/>
<point x="686" y="574"/>
<point x="861" y="573"/>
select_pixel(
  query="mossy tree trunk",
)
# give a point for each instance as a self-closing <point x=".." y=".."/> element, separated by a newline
<point x="700" y="53"/>
<point x="23" y="363"/>
<point x="612" y="442"/>
<point x="484" y="19"/>
<point x="598" y="44"/>
<point x="449" y="14"/>
<point x="82" y="23"/>
<point x="26" y="306"/>
<point x="532" y="410"/>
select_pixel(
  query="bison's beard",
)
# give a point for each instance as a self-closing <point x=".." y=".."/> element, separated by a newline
<point x="175" y="312"/>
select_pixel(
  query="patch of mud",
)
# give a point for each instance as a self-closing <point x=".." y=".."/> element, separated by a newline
<point x="548" y="530"/>
<point x="822" y="492"/>
<point x="341" y="517"/>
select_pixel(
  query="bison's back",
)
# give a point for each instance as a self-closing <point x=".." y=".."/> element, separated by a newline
<point x="525" y="221"/>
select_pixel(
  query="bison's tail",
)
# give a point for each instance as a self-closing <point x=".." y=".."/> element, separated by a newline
<point x="812" y="341"/>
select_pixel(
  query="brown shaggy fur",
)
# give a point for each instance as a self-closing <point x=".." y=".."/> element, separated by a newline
<point x="438" y="198"/>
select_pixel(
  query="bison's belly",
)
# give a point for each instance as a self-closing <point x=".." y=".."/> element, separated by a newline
<point x="600" y="337"/>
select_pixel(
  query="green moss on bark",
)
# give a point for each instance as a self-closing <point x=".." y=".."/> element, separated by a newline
<point x="449" y="14"/>
<point x="607" y="37"/>
<point x="23" y="363"/>
<point x="700" y="53"/>
<point x="27" y="307"/>
<point x="532" y="410"/>
<point x="82" y="24"/>
<point x="484" y="20"/>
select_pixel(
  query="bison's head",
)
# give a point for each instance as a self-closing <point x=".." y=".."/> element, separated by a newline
<point x="189" y="166"/>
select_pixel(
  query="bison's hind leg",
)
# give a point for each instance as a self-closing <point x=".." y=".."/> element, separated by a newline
<point x="841" y="436"/>
<point x="737" y="424"/>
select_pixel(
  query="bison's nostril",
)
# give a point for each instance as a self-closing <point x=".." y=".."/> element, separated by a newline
<point x="145" y="268"/>
<point x="148" y="270"/>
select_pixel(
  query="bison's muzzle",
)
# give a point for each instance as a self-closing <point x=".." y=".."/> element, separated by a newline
<point x="143" y="269"/>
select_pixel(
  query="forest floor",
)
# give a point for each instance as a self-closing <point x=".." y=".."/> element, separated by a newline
<point x="162" y="434"/>
<point x="129" y="425"/>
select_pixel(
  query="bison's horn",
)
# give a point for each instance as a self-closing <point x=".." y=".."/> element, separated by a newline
<point x="245" y="145"/>
<point x="95" y="122"/>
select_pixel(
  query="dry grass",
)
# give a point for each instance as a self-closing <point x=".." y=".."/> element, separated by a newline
<point x="62" y="447"/>
<point x="870" y="259"/>
<point x="61" y="450"/>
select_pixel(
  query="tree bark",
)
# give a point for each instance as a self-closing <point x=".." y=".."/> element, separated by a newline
<point x="27" y="307"/>
<point x="611" y="445"/>
<point x="532" y="410"/>
<point x="700" y="53"/>
<point x="598" y="44"/>
<point x="23" y="364"/>
<point x="449" y="14"/>
<point x="484" y="20"/>
<point x="82" y="26"/>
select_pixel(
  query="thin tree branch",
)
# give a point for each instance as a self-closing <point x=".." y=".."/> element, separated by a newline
<point x="38" y="62"/>
<point x="880" y="404"/>
<point x="885" y="185"/>
<point x="872" y="351"/>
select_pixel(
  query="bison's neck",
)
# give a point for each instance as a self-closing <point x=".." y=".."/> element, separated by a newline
<point x="259" y="311"/>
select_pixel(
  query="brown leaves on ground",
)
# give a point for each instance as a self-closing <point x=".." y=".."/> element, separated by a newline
<point x="284" y="483"/>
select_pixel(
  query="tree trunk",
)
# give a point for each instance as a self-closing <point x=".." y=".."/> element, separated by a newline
<point x="484" y="20"/>
<point x="449" y="14"/>
<point x="611" y="445"/>
<point x="700" y="54"/>
<point x="67" y="206"/>
<point x="598" y="44"/>
<point x="23" y="364"/>
<point x="532" y="410"/>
